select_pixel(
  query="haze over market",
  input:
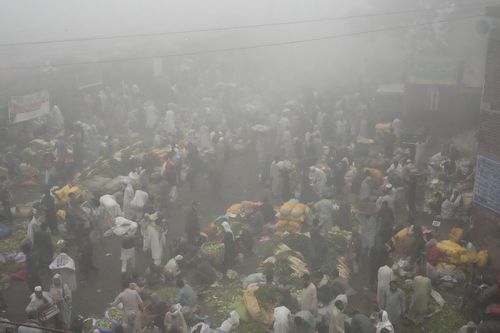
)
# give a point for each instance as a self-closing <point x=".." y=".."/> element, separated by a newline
<point x="230" y="166"/>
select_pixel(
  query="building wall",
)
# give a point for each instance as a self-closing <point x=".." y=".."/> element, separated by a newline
<point x="486" y="230"/>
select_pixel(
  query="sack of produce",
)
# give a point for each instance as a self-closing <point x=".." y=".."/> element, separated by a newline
<point x="287" y="207"/>
<point x="123" y="227"/>
<point x="139" y="200"/>
<point x="456" y="234"/>
<point x="62" y="195"/>
<point x="62" y="261"/>
<point x="482" y="258"/>
<point x="234" y="209"/>
<point x="298" y="210"/>
<point x="451" y="249"/>
<point x="294" y="226"/>
<point x="254" y="309"/>
<point x="110" y="205"/>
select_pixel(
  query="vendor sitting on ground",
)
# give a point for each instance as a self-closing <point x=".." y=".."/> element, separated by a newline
<point x="172" y="269"/>
<point x="186" y="296"/>
<point x="204" y="273"/>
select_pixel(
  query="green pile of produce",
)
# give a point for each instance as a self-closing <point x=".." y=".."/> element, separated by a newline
<point x="267" y="296"/>
<point x="166" y="294"/>
<point x="13" y="242"/>
<point x="267" y="248"/>
<point x="446" y="321"/>
<point x="221" y="301"/>
<point x="104" y="324"/>
<point x="339" y="239"/>
<point x="115" y="315"/>
<point x="329" y="264"/>
<point x="281" y="269"/>
<point x="88" y="325"/>
<point x="297" y="242"/>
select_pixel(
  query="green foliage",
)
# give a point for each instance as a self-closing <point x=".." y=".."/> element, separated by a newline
<point x="297" y="242"/>
<point x="267" y="296"/>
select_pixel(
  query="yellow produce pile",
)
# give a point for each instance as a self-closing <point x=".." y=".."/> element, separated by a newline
<point x="454" y="254"/>
<point x="244" y="208"/>
<point x="62" y="194"/>
<point x="292" y="215"/>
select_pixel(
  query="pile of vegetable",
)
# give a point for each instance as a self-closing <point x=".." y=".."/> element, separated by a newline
<point x="221" y="301"/>
<point x="104" y="325"/>
<point x="292" y="216"/>
<point x="115" y="315"/>
<point x="285" y="265"/>
<point x="13" y="242"/>
<point x="213" y="252"/>
<point x="268" y="296"/>
<point x="243" y="209"/>
<point x="297" y="242"/>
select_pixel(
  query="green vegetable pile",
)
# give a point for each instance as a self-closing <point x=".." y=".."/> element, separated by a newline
<point x="105" y="324"/>
<point x="446" y="321"/>
<point x="267" y="296"/>
<point x="115" y="315"/>
<point x="281" y="269"/>
<point x="88" y="325"/>
<point x="297" y="242"/>
<point x="13" y="242"/>
<point x="221" y="301"/>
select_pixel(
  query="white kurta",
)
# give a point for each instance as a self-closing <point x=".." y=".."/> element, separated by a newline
<point x="32" y="226"/>
<point x="153" y="242"/>
<point x="128" y="195"/>
<point x="384" y="277"/>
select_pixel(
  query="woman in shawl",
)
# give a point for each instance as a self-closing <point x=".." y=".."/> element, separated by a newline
<point x="384" y="325"/>
<point x="229" y="247"/>
<point x="61" y="294"/>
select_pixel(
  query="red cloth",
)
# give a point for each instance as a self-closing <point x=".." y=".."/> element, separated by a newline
<point x="433" y="255"/>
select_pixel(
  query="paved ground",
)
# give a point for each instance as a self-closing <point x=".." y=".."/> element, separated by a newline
<point x="240" y="183"/>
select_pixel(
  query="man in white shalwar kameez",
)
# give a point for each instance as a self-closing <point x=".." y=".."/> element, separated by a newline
<point x="153" y="239"/>
<point x="33" y="226"/>
<point x="384" y="277"/>
<point x="128" y="195"/>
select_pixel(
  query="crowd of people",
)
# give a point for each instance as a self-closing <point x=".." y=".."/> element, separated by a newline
<point x="317" y="153"/>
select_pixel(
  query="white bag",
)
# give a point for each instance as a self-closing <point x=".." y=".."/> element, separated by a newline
<point x="139" y="200"/>
<point x="110" y="205"/>
<point x="124" y="226"/>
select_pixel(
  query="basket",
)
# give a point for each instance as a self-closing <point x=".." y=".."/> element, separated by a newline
<point x="214" y="257"/>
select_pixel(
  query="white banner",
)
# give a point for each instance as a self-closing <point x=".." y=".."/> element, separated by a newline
<point x="22" y="108"/>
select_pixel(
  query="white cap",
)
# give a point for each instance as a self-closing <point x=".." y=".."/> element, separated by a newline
<point x="178" y="257"/>
<point x="38" y="288"/>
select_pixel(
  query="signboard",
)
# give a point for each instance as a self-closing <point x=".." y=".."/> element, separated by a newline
<point x="22" y="108"/>
<point x="487" y="183"/>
